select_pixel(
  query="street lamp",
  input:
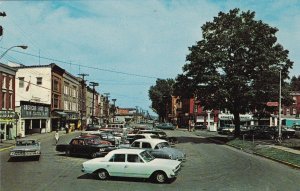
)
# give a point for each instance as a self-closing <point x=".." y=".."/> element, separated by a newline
<point x="20" y="46"/>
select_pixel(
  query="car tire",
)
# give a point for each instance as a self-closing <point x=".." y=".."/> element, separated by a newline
<point x="160" y="177"/>
<point x="102" y="174"/>
<point x="68" y="153"/>
<point x="93" y="155"/>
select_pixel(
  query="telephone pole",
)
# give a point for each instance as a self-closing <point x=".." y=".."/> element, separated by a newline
<point x="93" y="84"/>
<point x="82" y="110"/>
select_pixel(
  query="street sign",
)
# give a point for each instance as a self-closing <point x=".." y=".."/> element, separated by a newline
<point x="272" y="104"/>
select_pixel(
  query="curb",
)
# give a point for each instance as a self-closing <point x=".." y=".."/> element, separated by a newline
<point x="277" y="160"/>
<point x="6" y="148"/>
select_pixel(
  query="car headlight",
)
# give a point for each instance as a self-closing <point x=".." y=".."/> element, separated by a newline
<point x="102" y="149"/>
<point x="170" y="156"/>
<point x="12" y="153"/>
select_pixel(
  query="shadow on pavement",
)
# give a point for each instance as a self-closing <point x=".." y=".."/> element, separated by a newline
<point x="25" y="159"/>
<point x="207" y="140"/>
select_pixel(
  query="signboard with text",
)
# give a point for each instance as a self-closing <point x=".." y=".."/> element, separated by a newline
<point x="34" y="110"/>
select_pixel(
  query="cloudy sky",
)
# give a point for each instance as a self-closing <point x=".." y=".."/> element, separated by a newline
<point x="125" y="45"/>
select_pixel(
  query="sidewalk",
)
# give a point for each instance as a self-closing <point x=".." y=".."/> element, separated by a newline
<point x="209" y="134"/>
<point x="7" y="144"/>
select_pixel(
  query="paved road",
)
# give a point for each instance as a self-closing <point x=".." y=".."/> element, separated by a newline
<point x="209" y="166"/>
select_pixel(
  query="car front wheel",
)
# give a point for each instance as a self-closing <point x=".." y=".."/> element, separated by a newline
<point x="103" y="174"/>
<point x="160" y="177"/>
<point x="68" y="153"/>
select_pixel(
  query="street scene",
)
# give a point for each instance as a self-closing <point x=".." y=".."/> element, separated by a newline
<point x="149" y="95"/>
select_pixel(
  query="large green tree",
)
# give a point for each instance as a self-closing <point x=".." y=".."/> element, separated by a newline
<point x="295" y="83"/>
<point x="236" y="66"/>
<point x="160" y="95"/>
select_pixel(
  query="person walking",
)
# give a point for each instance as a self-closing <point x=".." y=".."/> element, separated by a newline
<point x="56" y="136"/>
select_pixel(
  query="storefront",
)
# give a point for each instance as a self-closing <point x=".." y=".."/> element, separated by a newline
<point x="34" y="118"/>
<point x="225" y="119"/>
<point x="7" y="125"/>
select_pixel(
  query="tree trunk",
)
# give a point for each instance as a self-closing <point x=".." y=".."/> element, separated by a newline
<point x="237" y="122"/>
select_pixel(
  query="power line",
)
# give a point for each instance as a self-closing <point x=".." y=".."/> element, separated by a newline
<point x="79" y="65"/>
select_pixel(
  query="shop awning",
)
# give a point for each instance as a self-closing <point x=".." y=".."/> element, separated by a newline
<point x="63" y="114"/>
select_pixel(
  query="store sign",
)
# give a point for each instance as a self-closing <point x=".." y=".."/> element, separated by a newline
<point x="28" y="110"/>
<point x="230" y="117"/>
<point x="7" y="114"/>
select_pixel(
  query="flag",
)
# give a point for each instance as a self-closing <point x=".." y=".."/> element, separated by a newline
<point x="27" y="88"/>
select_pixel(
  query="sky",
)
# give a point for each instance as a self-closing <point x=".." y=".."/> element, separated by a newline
<point x="125" y="45"/>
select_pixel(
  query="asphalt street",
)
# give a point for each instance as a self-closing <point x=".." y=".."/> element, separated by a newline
<point x="209" y="166"/>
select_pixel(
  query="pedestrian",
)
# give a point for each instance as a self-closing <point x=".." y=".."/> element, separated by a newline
<point x="67" y="128"/>
<point x="56" y="136"/>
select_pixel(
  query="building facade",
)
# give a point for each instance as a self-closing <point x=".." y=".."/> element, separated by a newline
<point x="70" y="101"/>
<point x="8" y="117"/>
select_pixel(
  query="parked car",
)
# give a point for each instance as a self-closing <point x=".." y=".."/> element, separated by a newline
<point x="133" y="137"/>
<point x="26" y="148"/>
<point x="90" y="146"/>
<point x="137" y="162"/>
<point x="165" y="126"/>
<point x="161" y="135"/>
<point x="227" y="129"/>
<point x="159" y="148"/>
<point x="200" y="126"/>
<point x="297" y="130"/>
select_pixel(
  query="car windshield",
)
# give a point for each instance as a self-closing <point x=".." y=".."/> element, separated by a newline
<point x="163" y="145"/>
<point x="26" y="143"/>
<point x="147" y="156"/>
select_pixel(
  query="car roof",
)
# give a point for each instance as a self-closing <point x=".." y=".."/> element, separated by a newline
<point x="27" y="139"/>
<point x="127" y="151"/>
<point x="153" y="141"/>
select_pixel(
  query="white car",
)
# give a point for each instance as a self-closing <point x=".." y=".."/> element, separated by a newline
<point x="159" y="148"/>
<point x="136" y="163"/>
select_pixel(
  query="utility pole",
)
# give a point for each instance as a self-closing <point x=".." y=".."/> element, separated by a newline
<point x="279" y="112"/>
<point x="82" y="110"/>
<point x="93" y="84"/>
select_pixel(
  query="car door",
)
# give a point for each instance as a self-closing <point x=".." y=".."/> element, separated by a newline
<point x="135" y="167"/>
<point x="116" y="165"/>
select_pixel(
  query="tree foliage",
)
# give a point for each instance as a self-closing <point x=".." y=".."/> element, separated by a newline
<point x="160" y="95"/>
<point x="236" y="65"/>
<point x="295" y="83"/>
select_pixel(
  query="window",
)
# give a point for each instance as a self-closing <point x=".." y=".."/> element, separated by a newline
<point x="294" y="111"/>
<point x="146" y="145"/>
<point x="4" y="82"/>
<point x="66" y="105"/>
<point x="3" y="100"/>
<point x="39" y="81"/>
<point x="56" y="101"/>
<point x="118" y="158"/>
<point x="66" y="88"/>
<point x="294" y="100"/>
<point x="10" y="103"/>
<point x="21" y="82"/>
<point x="55" y="85"/>
<point x="133" y="158"/>
<point x="136" y="144"/>
<point x="10" y="85"/>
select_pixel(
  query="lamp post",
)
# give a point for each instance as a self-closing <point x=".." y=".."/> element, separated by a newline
<point x="279" y="112"/>
<point x="20" y="46"/>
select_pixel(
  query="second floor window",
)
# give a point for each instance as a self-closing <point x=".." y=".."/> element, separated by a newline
<point x="10" y="103"/>
<point x="4" y="82"/>
<point x="10" y="83"/>
<point x="21" y="82"/>
<point x="39" y="81"/>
